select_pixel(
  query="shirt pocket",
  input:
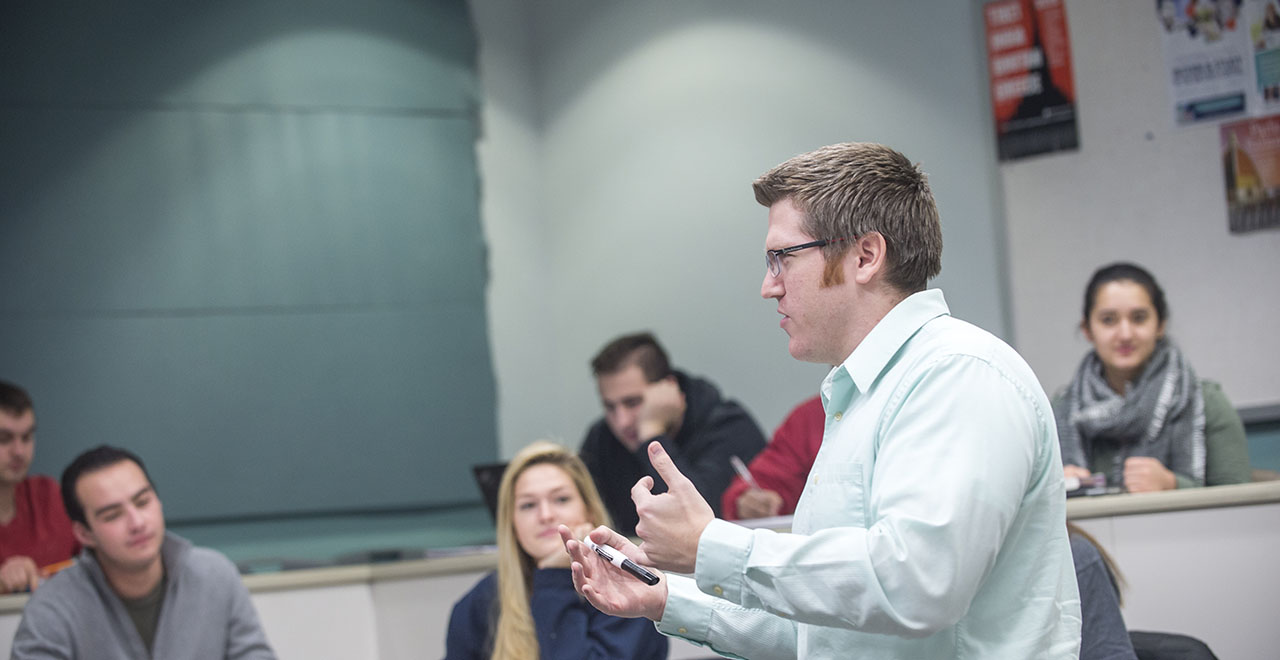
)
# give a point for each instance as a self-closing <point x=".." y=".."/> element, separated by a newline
<point x="836" y="497"/>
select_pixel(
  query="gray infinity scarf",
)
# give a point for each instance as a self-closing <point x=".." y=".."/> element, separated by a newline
<point x="1160" y="415"/>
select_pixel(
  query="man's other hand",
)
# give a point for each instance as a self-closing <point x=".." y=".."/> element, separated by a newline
<point x="671" y="523"/>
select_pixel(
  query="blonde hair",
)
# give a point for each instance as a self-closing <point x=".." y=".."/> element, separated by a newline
<point x="853" y="189"/>
<point x="514" y="637"/>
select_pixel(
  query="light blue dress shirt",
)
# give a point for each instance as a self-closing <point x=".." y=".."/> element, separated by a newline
<point x="933" y="523"/>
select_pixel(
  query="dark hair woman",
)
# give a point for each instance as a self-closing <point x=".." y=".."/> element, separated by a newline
<point x="1135" y="410"/>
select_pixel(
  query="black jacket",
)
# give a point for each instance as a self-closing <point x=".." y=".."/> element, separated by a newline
<point x="713" y="429"/>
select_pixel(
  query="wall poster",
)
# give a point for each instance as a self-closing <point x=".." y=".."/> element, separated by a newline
<point x="1251" y="163"/>
<point x="1207" y="59"/>
<point x="1222" y="57"/>
<point x="1032" y="88"/>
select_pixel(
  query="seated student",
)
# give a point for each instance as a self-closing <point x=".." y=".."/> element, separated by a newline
<point x="1135" y="410"/>
<point x="136" y="591"/>
<point x="1103" y="635"/>
<point x="645" y="401"/>
<point x="35" y="534"/>
<point x="781" y="469"/>
<point x="528" y="609"/>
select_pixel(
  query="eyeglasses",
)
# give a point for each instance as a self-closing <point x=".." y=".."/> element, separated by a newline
<point x="773" y="258"/>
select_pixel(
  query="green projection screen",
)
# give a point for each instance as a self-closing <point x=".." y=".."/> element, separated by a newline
<point x="244" y="242"/>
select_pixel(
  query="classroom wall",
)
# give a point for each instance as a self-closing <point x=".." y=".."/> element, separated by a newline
<point x="645" y="124"/>
<point x="1141" y="190"/>
<point x="522" y="335"/>
<point x="615" y="149"/>
<point x="639" y="131"/>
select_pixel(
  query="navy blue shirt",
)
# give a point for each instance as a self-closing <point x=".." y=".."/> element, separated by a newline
<point x="1103" y="635"/>
<point x="566" y="624"/>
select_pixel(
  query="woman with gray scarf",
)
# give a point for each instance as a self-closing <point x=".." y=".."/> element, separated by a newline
<point x="1135" y="410"/>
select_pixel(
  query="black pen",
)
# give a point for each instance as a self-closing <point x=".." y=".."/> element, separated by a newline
<point x="622" y="562"/>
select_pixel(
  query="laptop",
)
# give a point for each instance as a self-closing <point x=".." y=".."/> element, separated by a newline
<point x="488" y="477"/>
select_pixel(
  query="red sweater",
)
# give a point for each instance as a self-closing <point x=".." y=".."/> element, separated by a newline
<point x="785" y="462"/>
<point x="40" y="528"/>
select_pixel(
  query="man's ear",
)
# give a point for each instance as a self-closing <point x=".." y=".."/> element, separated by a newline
<point x="868" y="257"/>
<point x="83" y="534"/>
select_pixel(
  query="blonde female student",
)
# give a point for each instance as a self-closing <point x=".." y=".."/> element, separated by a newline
<point x="528" y="609"/>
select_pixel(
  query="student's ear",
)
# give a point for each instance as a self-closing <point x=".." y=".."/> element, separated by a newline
<point x="83" y="534"/>
<point x="1084" y="328"/>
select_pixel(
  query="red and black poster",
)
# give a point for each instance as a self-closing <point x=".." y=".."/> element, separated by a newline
<point x="1032" y="90"/>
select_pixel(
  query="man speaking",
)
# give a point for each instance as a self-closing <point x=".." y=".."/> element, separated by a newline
<point x="932" y="523"/>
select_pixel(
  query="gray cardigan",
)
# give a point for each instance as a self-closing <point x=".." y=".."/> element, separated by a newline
<point x="206" y="613"/>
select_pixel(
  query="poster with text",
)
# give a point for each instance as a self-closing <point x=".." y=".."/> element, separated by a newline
<point x="1264" y="35"/>
<point x="1032" y="89"/>
<point x="1207" y="58"/>
<point x="1251" y="165"/>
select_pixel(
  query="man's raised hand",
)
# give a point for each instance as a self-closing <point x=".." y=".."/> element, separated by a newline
<point x="671" y="523"/>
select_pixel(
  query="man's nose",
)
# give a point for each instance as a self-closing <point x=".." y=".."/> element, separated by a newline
<point x="626" y="417"/>
<point x="771" y="287"/>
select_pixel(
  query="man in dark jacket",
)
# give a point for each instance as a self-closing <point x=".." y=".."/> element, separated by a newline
<point x="646" y="401"/>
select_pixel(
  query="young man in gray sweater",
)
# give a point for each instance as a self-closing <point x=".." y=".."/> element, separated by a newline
<point x="135" y="591"/>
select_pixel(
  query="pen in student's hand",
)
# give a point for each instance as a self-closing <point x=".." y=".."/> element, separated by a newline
<point x="741" y="469"/>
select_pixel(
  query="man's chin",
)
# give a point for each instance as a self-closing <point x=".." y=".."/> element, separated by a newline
<point x="625" y="437"/>
<point x="9" y="476"/>
<point x="807" y="354"/>
<point x="131" y="560"/>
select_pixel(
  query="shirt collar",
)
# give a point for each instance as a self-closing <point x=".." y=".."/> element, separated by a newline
<point x="861" y="369"/>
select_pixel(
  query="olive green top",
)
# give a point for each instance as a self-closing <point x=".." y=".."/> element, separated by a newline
<point x="145" y="612"/>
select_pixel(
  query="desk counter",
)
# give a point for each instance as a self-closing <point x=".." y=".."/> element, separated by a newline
<point x="1200" y="562"/>
<point x="1080" y="508"/>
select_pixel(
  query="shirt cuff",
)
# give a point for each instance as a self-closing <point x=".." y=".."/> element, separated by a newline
<point x="685" y="613"/>
<point x="723" y="549"/>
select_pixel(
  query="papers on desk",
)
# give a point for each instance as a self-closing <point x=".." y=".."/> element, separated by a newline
<point x="1094" y="484"/>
